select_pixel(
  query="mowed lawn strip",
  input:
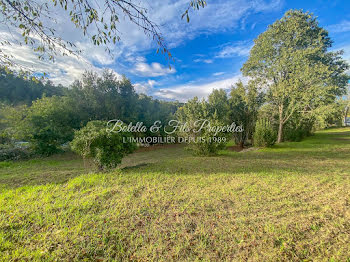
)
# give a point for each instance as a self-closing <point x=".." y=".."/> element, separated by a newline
<point x="287" y="203"/>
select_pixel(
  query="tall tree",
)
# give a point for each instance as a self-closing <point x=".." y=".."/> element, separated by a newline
<point x="291" y="62"/>
<point x="218" y="103"/>
<point x="196" y="114"/>
<point x="244" y="103"/>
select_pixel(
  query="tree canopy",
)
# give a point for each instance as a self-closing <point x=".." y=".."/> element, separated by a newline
<point x="28" y="113"/>
<point x="16" y="88"/>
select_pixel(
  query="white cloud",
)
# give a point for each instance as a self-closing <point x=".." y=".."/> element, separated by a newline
<point x="152" y="70"/>
<point x="346" y="54"/>
<point x="218" y="73"/>
<point x="342" y="27"/>
<point x="152" y="83"/>
<point x="97" y="54"/>
<point x="145" y="87"/>
<point x="235" y="49"/>
<point x="217" y="16"/>
<point x="184" y="92"/>
<point x="346" y="49"/>
<point x="63" y="71"/>
<point x="138" y="59"/>
<point x="206" y="61"/>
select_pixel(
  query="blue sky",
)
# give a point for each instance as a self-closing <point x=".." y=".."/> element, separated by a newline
<point x="208" y="52"/>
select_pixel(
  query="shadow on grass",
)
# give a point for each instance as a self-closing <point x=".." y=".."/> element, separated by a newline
<point x="56" y="169"/>
<point x="323" y="153"/>
<point x="327" y="152"/>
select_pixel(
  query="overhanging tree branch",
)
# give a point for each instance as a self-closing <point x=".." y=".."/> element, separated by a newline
<point x="35" y="22"/>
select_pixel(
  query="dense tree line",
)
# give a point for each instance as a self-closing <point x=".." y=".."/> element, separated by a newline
<point x="17" y="88"/>
<point x="105" y="97"/>
<point x="48" y="121"/>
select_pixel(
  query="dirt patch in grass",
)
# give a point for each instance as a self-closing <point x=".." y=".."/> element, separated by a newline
<point x="240" y="149"/>
<point x="235" y="148"/>
<point x="342" y="138"/>
<point x="156" y="147"/>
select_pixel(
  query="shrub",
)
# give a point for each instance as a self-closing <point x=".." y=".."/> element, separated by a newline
<point x="264" y="135"/>
<point x="243" y="109"/>
<point x="4" y="138"/>
<point x="105" y="148"/>
<point x="205" y="142"/>
<point x="47" y="124"/>
<point x="7" y="154"/>
<point x="297" y="129"/>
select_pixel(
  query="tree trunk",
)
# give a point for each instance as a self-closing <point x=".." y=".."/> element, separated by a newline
<point x="280" y="128"/>
<point x="100" y="168"/>
<point x="241" y="144"/>
<point x="280" y="132"/>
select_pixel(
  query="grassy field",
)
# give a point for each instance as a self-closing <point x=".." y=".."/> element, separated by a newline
<point x="287" y="203"/>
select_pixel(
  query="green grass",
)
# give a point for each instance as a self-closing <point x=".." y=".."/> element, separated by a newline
<point x="287" y="203"/>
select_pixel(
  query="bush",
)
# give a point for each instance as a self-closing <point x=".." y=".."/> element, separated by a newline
<point x="50" y="123"/>
<point x="294" y="134"/>
<point x="205" y="142"/>
<point x="4" y="138"/>
<point x="47" y="124"/>
<point x="264" y="135"/>
<point x="105" y="148"/>
<point x="298" y="129"/>
<point x="7" y="154"/>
